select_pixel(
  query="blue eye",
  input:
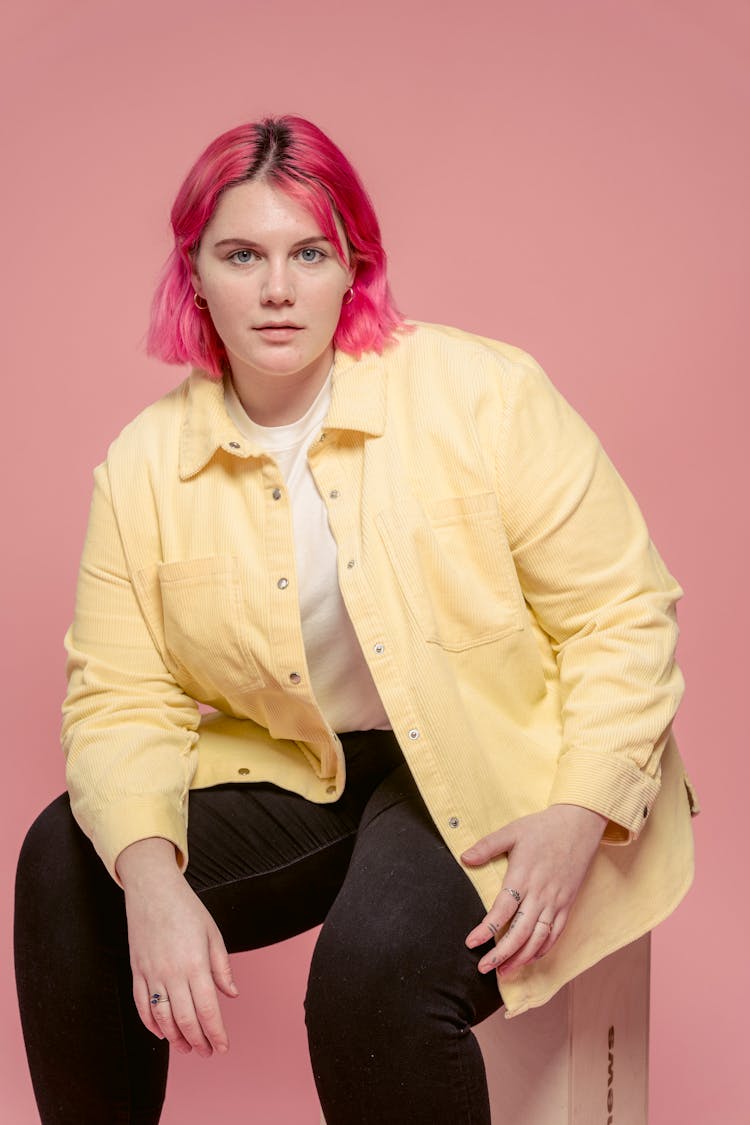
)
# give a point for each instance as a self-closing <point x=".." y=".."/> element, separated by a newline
<point x="241" y="256"/>
<point x="311" y="254"/>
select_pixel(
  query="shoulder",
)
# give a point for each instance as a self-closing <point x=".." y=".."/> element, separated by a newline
<point x="154" y="423"/>
<point x="452" y="361"/>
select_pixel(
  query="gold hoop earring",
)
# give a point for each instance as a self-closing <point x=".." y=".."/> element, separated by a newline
<point x="349" y="295"/>
<point x="196" y="301"/>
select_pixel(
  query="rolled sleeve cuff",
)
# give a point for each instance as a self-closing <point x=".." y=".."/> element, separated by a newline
<point x="139" y="818"/>
<point x="607" y="785"/>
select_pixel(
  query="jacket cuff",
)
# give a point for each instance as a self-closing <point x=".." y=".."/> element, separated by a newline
<point x="607" y="785"/>
<point x="138" y="818"/>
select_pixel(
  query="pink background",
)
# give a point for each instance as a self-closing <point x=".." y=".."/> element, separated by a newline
<point x="568" y="176"/>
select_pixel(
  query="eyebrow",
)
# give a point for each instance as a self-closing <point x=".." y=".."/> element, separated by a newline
<point x="248" y="242"/>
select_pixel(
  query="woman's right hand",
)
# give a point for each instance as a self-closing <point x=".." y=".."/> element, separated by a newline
<point x="176" y="949"/>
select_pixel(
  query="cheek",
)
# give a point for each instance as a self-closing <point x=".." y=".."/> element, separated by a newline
<point x="228" y="306"/>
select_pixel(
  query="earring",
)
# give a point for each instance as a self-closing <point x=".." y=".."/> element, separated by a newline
<point x="349" y="295"/>
<point x="196" y="301"/>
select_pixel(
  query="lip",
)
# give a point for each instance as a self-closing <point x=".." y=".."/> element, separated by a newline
<point x="280" y="332"/>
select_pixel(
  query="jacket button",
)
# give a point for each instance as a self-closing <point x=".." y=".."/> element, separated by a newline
<point x="234" y="445"/>
<point x="454" y="822"/>
<point x="244" y="771"/>
<point x="351" y="564"/>
<point x="276" y="493"/>
<point x="413" y="733"/>
<point x="283" y="583"/>
<point x="330" y="789"/>
<point x="295" y="677"/>
<point x="334" y="493"/>
<point x="379" y="648"/>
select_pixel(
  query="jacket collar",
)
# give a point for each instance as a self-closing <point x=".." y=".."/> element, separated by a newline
<point x="357" y="403"/>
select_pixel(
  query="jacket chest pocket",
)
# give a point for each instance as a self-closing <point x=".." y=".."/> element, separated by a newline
<point x="206" y="630"/>
<point x="453" y="565"/>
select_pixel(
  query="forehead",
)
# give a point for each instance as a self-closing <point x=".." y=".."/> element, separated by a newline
<point x="258" y="208"/>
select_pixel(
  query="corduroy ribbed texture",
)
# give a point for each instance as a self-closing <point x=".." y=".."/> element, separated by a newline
<point x="517" y="621"/>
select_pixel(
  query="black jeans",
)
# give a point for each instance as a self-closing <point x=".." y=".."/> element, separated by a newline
<point x="393" y="991"/>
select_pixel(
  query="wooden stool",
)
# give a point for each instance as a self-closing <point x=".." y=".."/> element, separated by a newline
<point x="582" y="1058"/>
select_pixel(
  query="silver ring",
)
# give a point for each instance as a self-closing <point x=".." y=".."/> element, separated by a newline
<point x="158" y="998"/>
<point x="513" y="893"/>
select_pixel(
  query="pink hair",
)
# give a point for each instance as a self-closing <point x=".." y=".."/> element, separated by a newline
<point x="298" y="158"/>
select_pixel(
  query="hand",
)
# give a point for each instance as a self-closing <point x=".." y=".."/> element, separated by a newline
<point x="549" y="853"/>
<point x="176" y="950"/>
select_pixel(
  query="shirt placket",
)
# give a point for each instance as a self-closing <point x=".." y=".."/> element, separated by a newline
<point x="340" y="487"/>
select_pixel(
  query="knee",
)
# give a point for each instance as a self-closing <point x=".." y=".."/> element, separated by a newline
<point x="365" y="975"/>
<point x="394" y="971"/>
<point x="44" y="841"/>
<point x="55" y="856"/>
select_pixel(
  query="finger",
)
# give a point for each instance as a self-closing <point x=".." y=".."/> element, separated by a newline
<point x="208" y="1014"/>
<point x="502" y="911"/>
<point x="560" y="923"/>
<point x="515" y="937"/>
<point x="497" y="843"/>
<point x="141" y="998"/>
<point x="179" y="1020"/>
<point x="540" y="933"/>
<point x="523" y="936"/>
<point x="221" y="969"/>
<point x="161" y="1010"/>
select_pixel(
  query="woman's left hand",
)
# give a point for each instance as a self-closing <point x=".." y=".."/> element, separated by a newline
<point x="549" y="853"/>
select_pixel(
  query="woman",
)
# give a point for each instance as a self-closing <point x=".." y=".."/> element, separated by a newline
<point x="440" y="648"/>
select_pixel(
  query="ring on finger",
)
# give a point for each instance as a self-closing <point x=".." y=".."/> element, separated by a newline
<point x="158" y="998"/>
<point x="541" y="922"/>
<point x="513" y="893"/>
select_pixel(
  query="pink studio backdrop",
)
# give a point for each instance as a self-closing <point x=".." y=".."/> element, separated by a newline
<point x="571" y="177"/>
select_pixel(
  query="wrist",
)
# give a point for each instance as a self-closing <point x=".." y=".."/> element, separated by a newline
<point x="588" y="820"/>
<point x="146" y="859"/>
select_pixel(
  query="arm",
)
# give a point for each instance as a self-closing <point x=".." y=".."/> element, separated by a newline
<point x="176" y="949"/>
<point x="129" y="733"/>
<point x="598" y="589"/>
<point x="129" y="730"/>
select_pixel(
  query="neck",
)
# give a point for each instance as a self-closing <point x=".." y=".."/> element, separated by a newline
<point x="278" y="400"/>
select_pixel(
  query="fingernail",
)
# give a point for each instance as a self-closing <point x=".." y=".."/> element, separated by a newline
<point x="234" y="988"/>
<point x="222" y="1048"/>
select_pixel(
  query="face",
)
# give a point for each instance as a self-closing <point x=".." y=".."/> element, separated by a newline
<point x="273" y="284"/>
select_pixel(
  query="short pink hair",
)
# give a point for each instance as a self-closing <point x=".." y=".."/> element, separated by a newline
<point x="299" y="159"/>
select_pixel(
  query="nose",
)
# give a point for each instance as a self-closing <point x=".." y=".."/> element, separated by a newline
<point x="277" y="285"/>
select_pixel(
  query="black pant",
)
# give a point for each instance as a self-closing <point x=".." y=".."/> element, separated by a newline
<point x="393" y="991"/>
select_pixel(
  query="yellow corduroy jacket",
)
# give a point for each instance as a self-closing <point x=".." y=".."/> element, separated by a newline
<point x="517" y="621"/>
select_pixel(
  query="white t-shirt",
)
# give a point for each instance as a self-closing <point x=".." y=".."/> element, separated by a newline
<point x="341" y="681"/>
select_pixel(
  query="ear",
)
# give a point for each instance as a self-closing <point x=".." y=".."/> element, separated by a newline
<point x="195" y="279"/>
